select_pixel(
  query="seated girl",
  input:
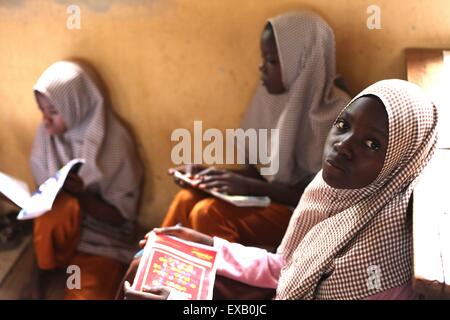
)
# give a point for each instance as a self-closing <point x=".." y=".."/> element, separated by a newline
<point x="91" y="224"/>
<point x="297" y="95"/>
<point x="350" y="236"/>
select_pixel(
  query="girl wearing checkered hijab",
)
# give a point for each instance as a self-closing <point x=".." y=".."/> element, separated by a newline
<point x="350" y="235"/>
<point x="340" y="236"/>
<point x="298" y="97"/>
<point x="92" y="223"/>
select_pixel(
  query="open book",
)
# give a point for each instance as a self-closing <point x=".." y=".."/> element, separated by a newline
<point x="41" y="201"/>
<point x="237" y="200"/>
<point x="185" y="266"/>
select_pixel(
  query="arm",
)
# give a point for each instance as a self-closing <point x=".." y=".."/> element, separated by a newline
<point x="249" y="171"/>
<point x="279" y="192"/>
<point x="91" y="203"/>
<point x="234" y="183"/>
<point x="249" y="265"/>
<point x="99" y="209"/>
<point x="192" y="170"/>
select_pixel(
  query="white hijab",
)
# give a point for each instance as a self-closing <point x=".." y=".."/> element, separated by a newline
<point x="305" y="112"/>
<point x="93" y="133"/>
<point x="335" y="236"/>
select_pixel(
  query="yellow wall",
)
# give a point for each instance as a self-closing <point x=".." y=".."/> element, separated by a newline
<point x="170" y="62"/>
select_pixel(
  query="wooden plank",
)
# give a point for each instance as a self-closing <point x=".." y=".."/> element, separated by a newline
<point x="430" y="69"/>
<point x="9" y="258"/>
<point x="18" y="274"/>
<point x="429" y="204"/>
<point x="423" y="65"/>
<point x="444" y="234"/>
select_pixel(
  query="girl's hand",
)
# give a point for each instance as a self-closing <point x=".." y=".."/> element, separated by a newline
<point x="186" y="234"/>
<point x="190" y="170"/>
<point x="143" y="242"/>
<point x="147" y="293"/>
<point x="224" y="181"/>
<point x="73" y="184"/>
<point x="6" y="199"/>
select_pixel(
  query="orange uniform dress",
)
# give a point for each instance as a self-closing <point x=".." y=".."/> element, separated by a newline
<point x="56" y="237"/>
<point x="215" y="217"/>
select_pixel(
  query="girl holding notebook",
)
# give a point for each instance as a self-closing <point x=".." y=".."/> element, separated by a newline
<point x="91" y="224"/>
<point x="298" y="96"/>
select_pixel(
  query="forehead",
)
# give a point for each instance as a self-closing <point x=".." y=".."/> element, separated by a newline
<point x="368" y="108"/>
<point x="43" y="100"/>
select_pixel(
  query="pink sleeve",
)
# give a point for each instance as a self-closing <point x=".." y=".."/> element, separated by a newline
<point x="250" y="265"/>
<point x="404" y="292"/>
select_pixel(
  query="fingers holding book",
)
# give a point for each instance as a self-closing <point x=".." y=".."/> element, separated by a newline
<point x="147" y="293"/>
<point x="226" y="182"/>
<point x="186" y="234"/>
<point x="185" y="171"/>
<point x="73" y="184"/>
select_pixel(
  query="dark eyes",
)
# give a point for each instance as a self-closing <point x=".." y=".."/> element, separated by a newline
<point x="270" y="59"/>
<point x="342" y="125"/>
<point x="50" y="112"/>
<point x="372" y="144"/>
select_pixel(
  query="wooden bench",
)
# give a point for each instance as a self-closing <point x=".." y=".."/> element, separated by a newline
<point x="430" y="69"/>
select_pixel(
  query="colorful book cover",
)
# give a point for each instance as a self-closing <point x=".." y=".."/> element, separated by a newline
<point x="185" y="266"/>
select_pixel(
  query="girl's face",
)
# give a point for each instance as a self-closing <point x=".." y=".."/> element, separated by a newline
<point x="270" y="68"/>
<point x="53" y="121"/>
<point x="356" y="146"/>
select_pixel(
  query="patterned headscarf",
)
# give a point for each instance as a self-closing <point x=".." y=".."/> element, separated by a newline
<point x="336" y="238"/>
<point x="305" y="112"/>
<point x="93" y="133"/>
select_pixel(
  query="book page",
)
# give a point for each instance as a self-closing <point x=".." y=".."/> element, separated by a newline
<point x="242" y="201"/>
<point x="16" y="190"/>
<point x="237" y="200"/>
<point x="184" y="266"/>
<point x="42" y="199"/>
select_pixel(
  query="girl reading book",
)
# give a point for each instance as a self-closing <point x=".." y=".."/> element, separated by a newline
<point x="91" y="224"/>
<point x="350" y="236"/>
<point x="299" y="97"/>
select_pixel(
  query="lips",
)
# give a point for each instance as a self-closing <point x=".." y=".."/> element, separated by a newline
<point x="263" y="76"/>
<point x="335" y="164"/>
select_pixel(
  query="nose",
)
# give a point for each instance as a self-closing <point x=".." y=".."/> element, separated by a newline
<point x="344" y="147"/>
<point x="47" y="119"/>
<point x="262" y="67"/>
